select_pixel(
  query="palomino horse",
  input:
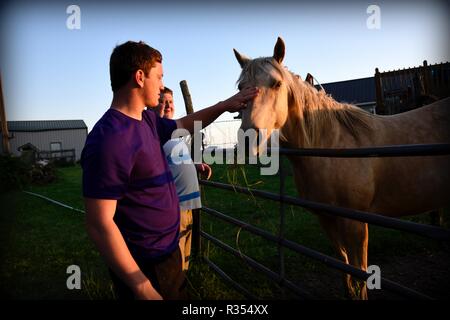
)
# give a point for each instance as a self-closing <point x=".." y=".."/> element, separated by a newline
<point x="395" y="186"/>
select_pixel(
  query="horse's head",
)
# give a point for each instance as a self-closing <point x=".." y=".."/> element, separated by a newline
<point x="269" y="109"/>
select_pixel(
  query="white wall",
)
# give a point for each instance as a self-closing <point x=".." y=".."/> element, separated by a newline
<point x="222" y="133"/>
<point x="70" y="139"/>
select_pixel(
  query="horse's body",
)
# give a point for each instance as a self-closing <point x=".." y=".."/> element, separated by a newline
<point x="395" y="186"/>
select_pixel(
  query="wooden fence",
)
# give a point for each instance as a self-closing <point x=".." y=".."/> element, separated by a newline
<point x="403" y="90"/>
<point x="67" y="155"/>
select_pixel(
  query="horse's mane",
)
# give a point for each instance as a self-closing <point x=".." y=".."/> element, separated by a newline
<point x="317" y="112"/>
<point x="321" y="113"/>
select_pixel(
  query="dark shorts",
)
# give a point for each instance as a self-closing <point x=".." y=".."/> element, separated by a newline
<point x="165" y="274"/>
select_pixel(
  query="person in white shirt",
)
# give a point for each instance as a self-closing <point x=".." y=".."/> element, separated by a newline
<point x="184" y="172"/>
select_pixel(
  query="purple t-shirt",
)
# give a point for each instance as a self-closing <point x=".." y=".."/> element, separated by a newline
<point x="123" y="160"/>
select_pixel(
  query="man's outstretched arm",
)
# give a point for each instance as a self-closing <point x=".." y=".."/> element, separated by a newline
<point x="110" y="243"/>
<point x="208" y="115"/>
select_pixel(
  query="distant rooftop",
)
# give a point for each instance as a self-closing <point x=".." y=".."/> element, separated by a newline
<point x="355" y="91"/>
<point x="45" y="125"/>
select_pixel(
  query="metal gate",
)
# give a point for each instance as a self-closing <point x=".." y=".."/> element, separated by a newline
<point x="370" y="218"/>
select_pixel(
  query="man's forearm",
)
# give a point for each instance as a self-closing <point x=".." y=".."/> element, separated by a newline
<point x="206" y="116"/>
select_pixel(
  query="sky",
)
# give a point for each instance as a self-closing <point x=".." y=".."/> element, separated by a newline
<point x="51" y="72"/>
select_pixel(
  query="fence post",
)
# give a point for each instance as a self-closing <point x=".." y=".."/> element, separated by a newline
<point x="379" y="108"/>
<point x="186" y="97"/>
<point x="427" y="85"/>
<point x="196" y="226"/>
<point x="282" y="174"/>
<point x="4" y="124"/>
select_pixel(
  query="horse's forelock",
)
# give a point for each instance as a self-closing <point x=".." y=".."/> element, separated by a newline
<point x="260" y="66"/>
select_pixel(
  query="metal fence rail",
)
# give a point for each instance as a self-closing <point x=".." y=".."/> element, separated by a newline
<point x="228" y="279"/>
<point x="393" y="223"/>
<point x="316" y="255"/>
<point x="271" y="274"/>
<point x="412" y="150"/>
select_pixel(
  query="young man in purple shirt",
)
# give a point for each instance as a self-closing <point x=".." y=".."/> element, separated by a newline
<point x="132" y="209"/>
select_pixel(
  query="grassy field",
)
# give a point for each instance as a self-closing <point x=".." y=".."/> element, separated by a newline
<point x="39" y="240"/>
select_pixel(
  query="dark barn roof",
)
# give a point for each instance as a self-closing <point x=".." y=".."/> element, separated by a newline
<point x="352" y="91"/>
<point x="45" y="125"/>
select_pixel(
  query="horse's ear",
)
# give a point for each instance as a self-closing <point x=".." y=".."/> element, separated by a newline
<point x="241" y="58"/>
<point x="279" y="50"/>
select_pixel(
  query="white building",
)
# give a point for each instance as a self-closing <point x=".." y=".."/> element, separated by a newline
<point x="48" y="135"/>
<point x="222" y="134"/>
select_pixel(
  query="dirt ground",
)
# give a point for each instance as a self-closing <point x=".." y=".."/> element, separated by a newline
<point x="425" y="272"/>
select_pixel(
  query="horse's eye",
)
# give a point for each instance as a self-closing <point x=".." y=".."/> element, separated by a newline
<point x="239" y="87"/>
<point x="277" y="84"/>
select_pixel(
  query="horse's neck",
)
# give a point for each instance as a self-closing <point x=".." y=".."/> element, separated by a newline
<point x="313" y="129"/>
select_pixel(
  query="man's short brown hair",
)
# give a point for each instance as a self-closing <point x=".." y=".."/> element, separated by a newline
<point x="166" y="90"/>
<point x="128" y="58"/>
<point x="163" y="92"/>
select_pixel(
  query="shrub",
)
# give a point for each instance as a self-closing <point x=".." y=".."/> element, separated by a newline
<point x="14" y="173"/>
<point x="42" y="173"/>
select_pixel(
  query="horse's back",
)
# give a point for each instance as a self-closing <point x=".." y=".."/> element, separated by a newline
<point x="393" y="186"/>
<point x="428" y="124"/>
<point x="409" y="185"/>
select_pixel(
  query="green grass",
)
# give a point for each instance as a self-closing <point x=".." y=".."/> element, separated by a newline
<point x="66" y="189"/>
<point x="39" y="240"/>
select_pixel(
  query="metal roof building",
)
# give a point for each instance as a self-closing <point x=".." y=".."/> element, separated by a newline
<point x="45" y="125"/>
<point x="360" y="92"/>
<point x="48" y="135"/>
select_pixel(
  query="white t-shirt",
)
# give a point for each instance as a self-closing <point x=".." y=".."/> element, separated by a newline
<point x="184" y="173"/>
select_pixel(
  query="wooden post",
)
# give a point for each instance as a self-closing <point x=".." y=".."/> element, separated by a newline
<point x="426" y="79"/>
<point x="186" y="97"/>
<point x="196" y="225"/>
<point x="379" y="107"/>
<point x="4" y="124"/>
